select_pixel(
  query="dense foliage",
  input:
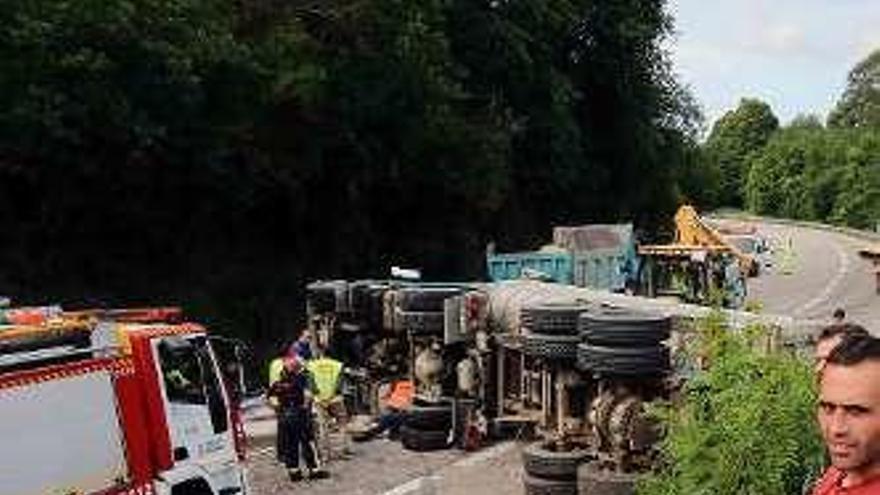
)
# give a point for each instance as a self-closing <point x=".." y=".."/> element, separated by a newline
<point x="803" y="170"/>
<point x="817" y="174"/>
<point x="860" y="104"/>
<point x="734" y="138"/>
<point x="745" y="423"/>
<point x="219" y="154"/>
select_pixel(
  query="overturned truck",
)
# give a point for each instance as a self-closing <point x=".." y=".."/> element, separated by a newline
<point x="508" y="358"/>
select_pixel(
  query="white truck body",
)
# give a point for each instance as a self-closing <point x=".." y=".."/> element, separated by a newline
<point x="61" y="435"/>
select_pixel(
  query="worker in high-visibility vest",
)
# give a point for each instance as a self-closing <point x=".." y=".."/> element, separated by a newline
<point x="276" y="366"/>
<point x="294" y="394"/>
<point x="326" y="376"/>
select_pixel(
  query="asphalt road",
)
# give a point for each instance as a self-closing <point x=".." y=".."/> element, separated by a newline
<point x="812" y="273"/>
<point x="382" y="467"/>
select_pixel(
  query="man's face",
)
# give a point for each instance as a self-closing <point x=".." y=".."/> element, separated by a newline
<point x="823" y="349"/>
<point x="849" y="414"/>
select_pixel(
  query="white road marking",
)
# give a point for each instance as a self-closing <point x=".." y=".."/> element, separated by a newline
<point x="420" y="483"/>
<point x="825" y="295"/>
<point x="427" y="483"/>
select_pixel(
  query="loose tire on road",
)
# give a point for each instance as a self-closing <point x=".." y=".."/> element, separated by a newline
<point x="421" y="322"/>
<point x="552" y="320"/>
<point x="624" y="329"/>
<point x="627" y="361"/>
<point x="544" y="486"/>
<point x="593" y="480"/>
<point x="425" y="298"/>
<point x="434" y="417"/>
<point x="423" y="440"/>
<point x="551" y="346"/>
<point x="540" y="461"/>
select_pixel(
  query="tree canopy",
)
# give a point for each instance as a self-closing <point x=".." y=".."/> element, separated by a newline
<point x="734" y="137"/>
<point x="802" y="170"/>
<point x="220" y="154"/>
<point x="860" y="104"/>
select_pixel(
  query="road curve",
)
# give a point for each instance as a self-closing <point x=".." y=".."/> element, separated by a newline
<point x="815" y="271"/>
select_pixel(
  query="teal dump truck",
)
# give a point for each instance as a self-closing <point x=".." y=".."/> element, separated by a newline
<point x="596" y="256"/>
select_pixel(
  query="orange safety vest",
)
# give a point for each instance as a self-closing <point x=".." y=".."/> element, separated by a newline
<point x="401" y="395"/>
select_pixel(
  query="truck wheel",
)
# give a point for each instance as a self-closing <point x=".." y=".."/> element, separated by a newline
<point x="422" y="322"/>
<point x="540" y="459"/>
<point x="627" y="361"/>
<point x="192" y="487"/>
<point x="425" y="298"/>
<point x="624" y="329"/>
<point x="593" y="480"/>
<point x="423" y="417"/>
<point x="543" y="486"/>
<point x="422" y="440"/>
<point x="551" y="346"/>
<point x="551" y="319"/>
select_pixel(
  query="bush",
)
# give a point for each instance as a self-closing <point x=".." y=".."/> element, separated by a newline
<point x="745" y="422"/>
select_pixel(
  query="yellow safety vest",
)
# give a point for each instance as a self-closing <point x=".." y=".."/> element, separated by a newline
<point x="325" y="375"/>
<point x="276" y="366"/>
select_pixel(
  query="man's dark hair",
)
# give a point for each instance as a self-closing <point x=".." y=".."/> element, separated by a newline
<point x="854" y="349"/>
<point x="844" y="329"/>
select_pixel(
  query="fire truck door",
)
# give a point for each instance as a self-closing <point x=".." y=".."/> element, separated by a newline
<point x="195" y="403"/>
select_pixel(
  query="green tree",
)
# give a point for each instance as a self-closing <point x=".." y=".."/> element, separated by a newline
<point x="805" y="121"/>
<point x="222" y="153"/>
<point x="859" y="106"/>
<point x="735" y="136"/>
<point x="698" y="179"/>
<point x="827" y="175"/>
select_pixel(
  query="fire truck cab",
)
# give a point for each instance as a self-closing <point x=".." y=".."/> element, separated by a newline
<point x="115" y="402"/>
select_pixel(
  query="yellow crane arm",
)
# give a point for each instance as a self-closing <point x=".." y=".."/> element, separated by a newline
<point x="690" y="230"/>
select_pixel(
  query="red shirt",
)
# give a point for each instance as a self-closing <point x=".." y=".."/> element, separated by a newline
<point x="830" y="484"/>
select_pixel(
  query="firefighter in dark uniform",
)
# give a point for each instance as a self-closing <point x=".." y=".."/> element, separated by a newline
<point x="294" y="398"/>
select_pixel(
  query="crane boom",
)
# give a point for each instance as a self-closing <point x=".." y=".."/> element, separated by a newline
<point x="690" y="230"/>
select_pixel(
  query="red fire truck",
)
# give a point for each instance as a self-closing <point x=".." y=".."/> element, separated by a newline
<point x="114" y="402"/>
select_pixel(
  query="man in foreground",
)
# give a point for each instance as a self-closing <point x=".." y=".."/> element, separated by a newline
<point x="830" y="337"/>
<point x="849" y="416"/>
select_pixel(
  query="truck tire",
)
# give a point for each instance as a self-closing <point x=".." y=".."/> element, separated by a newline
<point x="435" y="417"/>
<point x="552" y="320"/>
<point x="593" y="480"/>
<point x="192" y="487"/>
<point x="627" y="361"/>
<point x="542" y="462"/>
<point x="423" y="440"/>
<point x="543" y="486"/>
<point x="624" y="329"/>
<point x="425" y="298"/>
<point x="550" y="346"/>
<point x="422" y="322"/>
